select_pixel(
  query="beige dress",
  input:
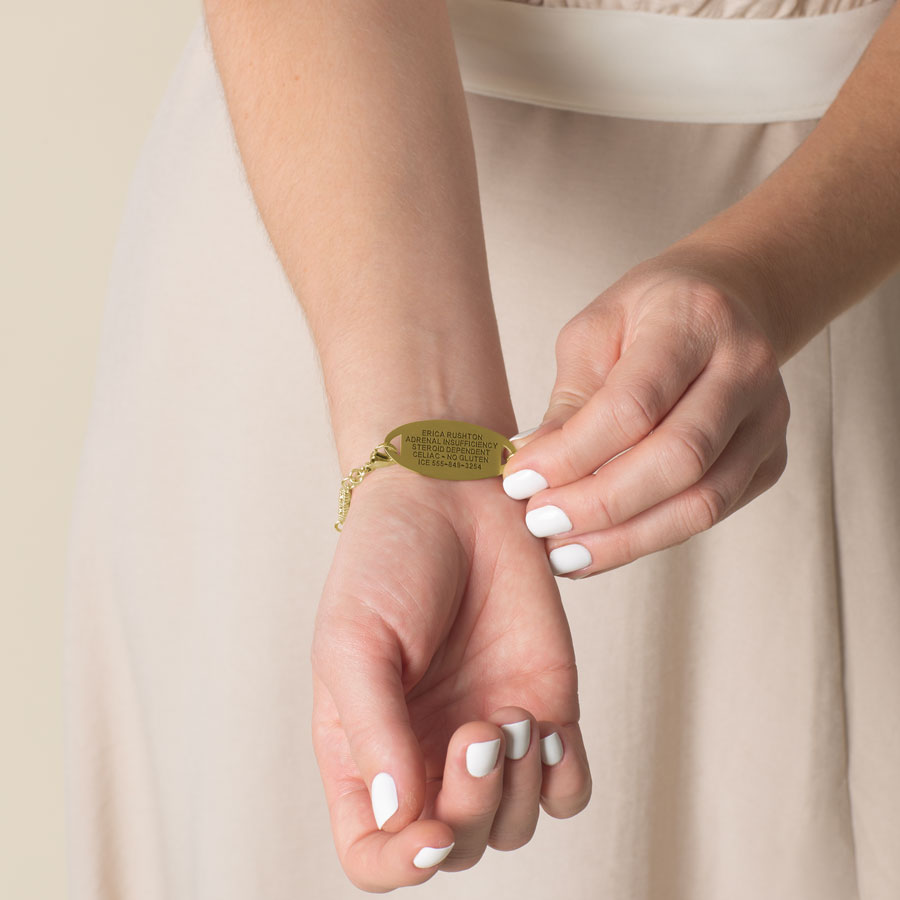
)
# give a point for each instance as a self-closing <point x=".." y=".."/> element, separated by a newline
<point x="740" y="692"/>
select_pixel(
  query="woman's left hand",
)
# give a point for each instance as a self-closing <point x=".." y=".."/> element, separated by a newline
<point x="672" y="364"/>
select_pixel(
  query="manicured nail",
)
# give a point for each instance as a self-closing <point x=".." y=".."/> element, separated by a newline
<point x="523" y="484"/>
<point x="523" y="434"/>
<point x="481" y="757"/>
<point x="551" y="749"/>
<point x="384" y="798"/>
<point x="546" y="521"/>
<point x="569" y="558"/>
<point x="432" y="856"/>
<point x="518" y="737"/>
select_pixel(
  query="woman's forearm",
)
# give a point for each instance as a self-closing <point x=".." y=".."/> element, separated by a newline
<point x="824" y="228"/>
<point x="352" y="125"/>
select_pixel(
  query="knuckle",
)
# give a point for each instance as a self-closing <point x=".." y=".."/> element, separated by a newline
<point x="781" y="409"/>
<point x="600" y="512"/>
<point x="706" y="507"/>
<point x="623" y="547"/>
<point x="569" y="458"/>
<point x="635" y="411"/>
<point x="567" y="396"/>
<point x="322" y="731"/>
<point x="755" y="359"/>
<point x="567" y="333"/>
<point x="571" y="337"/>
<point x="774" y="467"/>
<point x="766" y="360"/>
<point x="478" y="819"/>
<point x="706" y="305"/>
<point x="690" y="454"/>
<point x="707" y="298"/>
<point x="781" y="459"/>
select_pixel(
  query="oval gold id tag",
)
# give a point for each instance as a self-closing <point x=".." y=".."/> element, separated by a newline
<point x="452" y="451"/>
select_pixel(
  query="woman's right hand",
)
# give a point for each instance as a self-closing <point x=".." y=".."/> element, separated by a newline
<point x="440" y="622"/>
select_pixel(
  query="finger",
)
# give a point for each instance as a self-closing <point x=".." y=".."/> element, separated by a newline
<point x="674" y="457"/>
<point x="735" y="479"/>
<point x="360" y="665"/>
<point x="377" y="861"/>
<point x="527" y="435"/>
<point x="471" y="790"/>
<point x="566" y="787"/>
<point x="639" y="391"/>
<point x="517" y="815"/>
<point x="582" y="362"/>
<point x="374" y="860"/>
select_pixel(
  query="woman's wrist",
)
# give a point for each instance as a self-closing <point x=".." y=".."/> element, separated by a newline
<point x="355" y="440"/>
<point x="823" y="229"/>
<point x="370" y="395"/>
<point x="367" y="185"/>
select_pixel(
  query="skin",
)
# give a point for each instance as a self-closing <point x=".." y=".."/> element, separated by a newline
<point x="432" y="654"/>
<point x="417" y="655"/>
<point x="687" y="345"/>
<point x="351" y="122"/>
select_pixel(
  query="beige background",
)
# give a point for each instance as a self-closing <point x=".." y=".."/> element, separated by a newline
<point x="79" y="83"/>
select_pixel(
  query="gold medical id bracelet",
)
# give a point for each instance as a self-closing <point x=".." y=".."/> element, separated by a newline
<point x="438" y="448"/>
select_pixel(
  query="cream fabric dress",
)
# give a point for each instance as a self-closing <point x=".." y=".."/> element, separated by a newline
<point x="740" y="692"/>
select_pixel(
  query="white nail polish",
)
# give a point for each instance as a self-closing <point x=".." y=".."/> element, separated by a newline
<point x="545" y="521"/>
<point x="569" y="558"/>
<point x="432" y="856"/>
<point x="522" y="484"/>
<point x="384" y="798"/>
<point x="481" y="757"/>
<point x="518" y="737"/>
<point x="523" y="434"/>
<point x="551" y="749"/>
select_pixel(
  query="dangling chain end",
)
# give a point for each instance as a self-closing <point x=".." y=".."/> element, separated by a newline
<point x="379" y="457"/>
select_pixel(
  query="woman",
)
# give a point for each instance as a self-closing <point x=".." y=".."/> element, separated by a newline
<point x="739" y="692"/>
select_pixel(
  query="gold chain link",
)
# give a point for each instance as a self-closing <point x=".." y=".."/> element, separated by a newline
<point x="378" y="458"/>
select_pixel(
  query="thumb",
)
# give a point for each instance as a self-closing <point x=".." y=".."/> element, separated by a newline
<point x="565" y="400"/>
<point x="361" y="668"/>
<point x="585" y="353"/>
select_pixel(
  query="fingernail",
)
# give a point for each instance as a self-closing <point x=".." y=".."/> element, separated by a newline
<point x="481" y="757"/>
<point x="384" y="798"/>
<point x="432" y="856"/>
<point x="518" y="737"/>
<point x="524" y="434"/>
<point x="551" y="749"/>
<point x="523" y="484"/>
<point x="569" y="558"/>
<point x="546" y="521"/>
